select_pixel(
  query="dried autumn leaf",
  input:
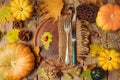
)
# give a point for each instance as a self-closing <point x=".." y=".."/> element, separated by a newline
<point x="95" y="49"/>
<point x="43" y="73"/>
<point x="86" y="74"/>
<point x="68" y="76"/>
<point x="119" y="73"/>
<point x="52" y="8"/>
<point x="89" y="67"/>
<point x="12" y="35"/>
<point x="74" y="72"/>
<point x="36" y="50"/>
<point x="5" y="15"/>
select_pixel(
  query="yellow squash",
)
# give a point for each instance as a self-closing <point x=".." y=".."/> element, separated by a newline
<point x="21" y="9"/>
<point x="16" y="61"/>
<point x="109" y="59"/>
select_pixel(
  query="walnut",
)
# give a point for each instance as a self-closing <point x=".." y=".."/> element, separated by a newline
<point x="17" y="24"/>
<point x="25" y="35"/>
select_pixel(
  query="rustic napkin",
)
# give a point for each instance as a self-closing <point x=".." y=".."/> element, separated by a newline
<point x="82" y="35"/>
<point x="62" y="41"/>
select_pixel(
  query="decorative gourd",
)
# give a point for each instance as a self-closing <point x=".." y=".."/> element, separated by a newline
<point x="21" y="9"/>
<point x="108" y="17"/>
<point x="16" y="61"/>
<point x="97" y="73"/>
<point x="109" y="59"/>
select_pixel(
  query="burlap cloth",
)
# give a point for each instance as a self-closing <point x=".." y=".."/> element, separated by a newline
<point x="62" y="41"/>
<point x="82" y="35"/>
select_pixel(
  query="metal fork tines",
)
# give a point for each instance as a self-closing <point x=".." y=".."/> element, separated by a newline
<point x="67" y="27"/>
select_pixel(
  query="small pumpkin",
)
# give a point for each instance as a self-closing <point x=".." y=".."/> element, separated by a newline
<point x="21" y="9"/>
<point x="108" y="17"/>
<point x="109" y="59"/>
<point x="97" y="73"/>
<point x="16" y="61"/>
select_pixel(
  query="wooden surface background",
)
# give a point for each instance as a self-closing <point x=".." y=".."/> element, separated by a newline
<point x="108" y="40"/>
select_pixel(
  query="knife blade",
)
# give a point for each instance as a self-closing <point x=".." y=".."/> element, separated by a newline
<point x="74" y="38"/>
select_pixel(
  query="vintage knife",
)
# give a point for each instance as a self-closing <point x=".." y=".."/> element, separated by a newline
<point x="74" y="38"/>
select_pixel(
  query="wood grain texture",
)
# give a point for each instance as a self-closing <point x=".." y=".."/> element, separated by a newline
<point x="47" y="26"/>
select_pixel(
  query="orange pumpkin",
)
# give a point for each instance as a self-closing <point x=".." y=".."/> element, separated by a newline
<point x="16" y="61"/>
<point x="108" y="17"/>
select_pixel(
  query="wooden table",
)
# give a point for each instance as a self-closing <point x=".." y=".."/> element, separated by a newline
<point x="108" y="40"/>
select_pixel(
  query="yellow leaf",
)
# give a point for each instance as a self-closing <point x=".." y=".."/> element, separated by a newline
<point x="96" y="49"/>
<point x="36" y="50"/>
<point x="5" y="15"/>
<point x="12" y="35"/>
<point x="68" y="76"/>
<point x="52" y="7"/>
<point x="43" y="73"/>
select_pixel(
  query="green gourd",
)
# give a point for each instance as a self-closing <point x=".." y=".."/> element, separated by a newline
<point x="97" y="73"/>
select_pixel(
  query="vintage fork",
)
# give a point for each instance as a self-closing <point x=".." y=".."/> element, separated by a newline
<point x="67" y="27"/>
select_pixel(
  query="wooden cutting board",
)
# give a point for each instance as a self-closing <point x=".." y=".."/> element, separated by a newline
<point x="47" y="26"/>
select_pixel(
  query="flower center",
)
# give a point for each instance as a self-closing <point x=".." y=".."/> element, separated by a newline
<point x="109" y="58"/>
<point x="20" y="9"/>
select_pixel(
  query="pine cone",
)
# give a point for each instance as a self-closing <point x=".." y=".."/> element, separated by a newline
<point x="17" y="24"/>
<point x="25" y="35"/>
<point x="87" y="12"/>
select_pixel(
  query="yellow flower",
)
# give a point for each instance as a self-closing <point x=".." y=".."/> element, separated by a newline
<point x="46" y="39"/>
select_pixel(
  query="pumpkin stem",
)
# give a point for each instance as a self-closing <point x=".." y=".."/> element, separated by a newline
<point x="109" y="58"/>
<point x="20" y="9"/>
<point x="13" y="64"/>
<point x="112" y="15"/>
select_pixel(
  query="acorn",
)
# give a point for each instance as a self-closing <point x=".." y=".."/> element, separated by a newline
<point x="79" y="70"/>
